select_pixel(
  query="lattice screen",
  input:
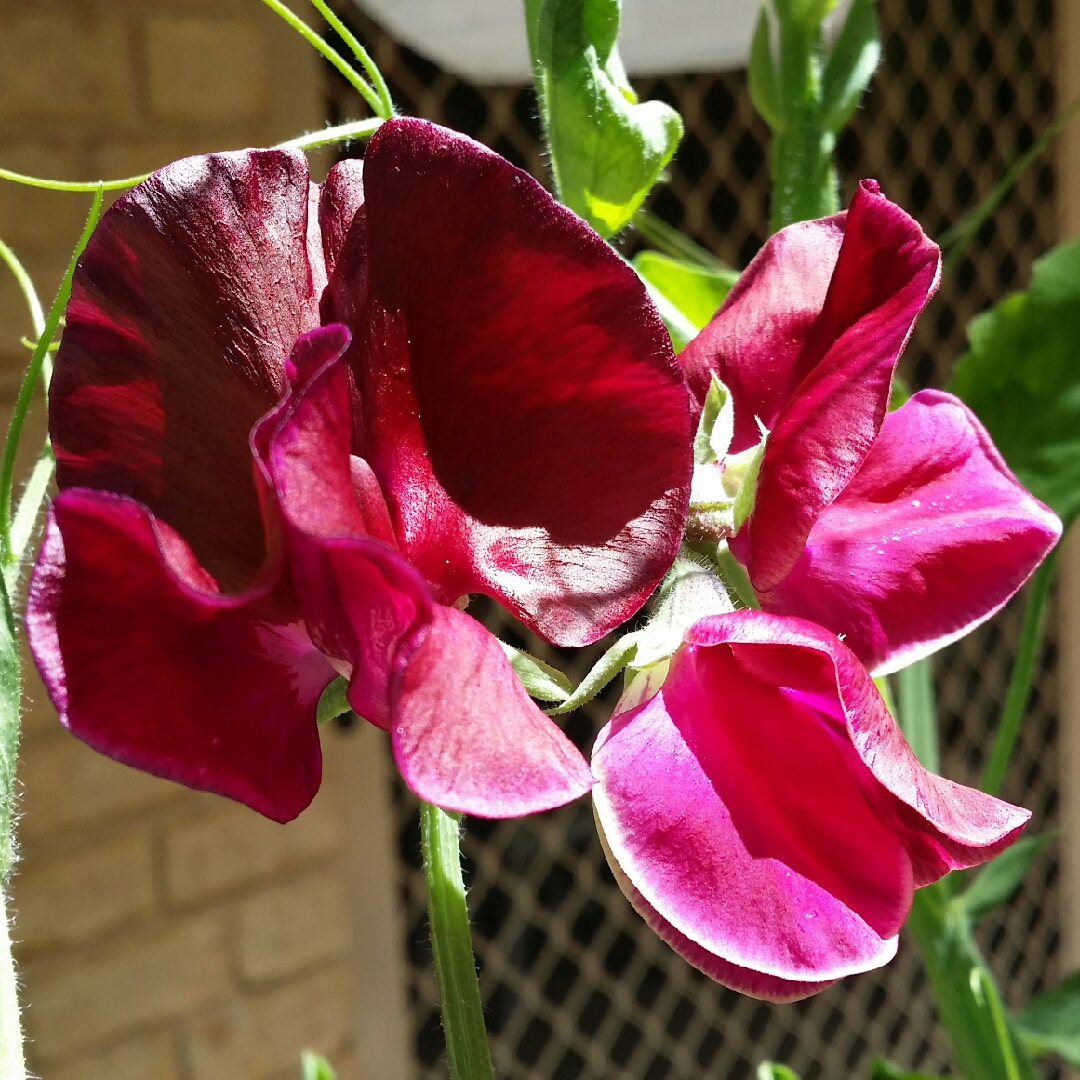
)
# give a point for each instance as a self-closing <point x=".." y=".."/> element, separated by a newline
<point x="575" y="984"/>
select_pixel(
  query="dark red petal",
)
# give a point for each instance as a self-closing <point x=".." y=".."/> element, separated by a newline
<point x="341" y="196"/>
<point x="886" y="271"/>
<point x="148" y="663"/>
<point x="932" y="536"/>
<point x="944" y="825"/>
<point x="522" y="408"/>
<point x="468" y="737"/>
<point x="755" y="340"/>
<point x="360" y="598"/>
<point x="190" y="294"/>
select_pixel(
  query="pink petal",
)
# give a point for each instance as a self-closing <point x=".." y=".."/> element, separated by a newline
<point x="670" y="777"/>
<point x="522" y="407"/>
<point x="147" y="662"/>
<point x="769" y="815"/>
<point x="886" y="271"/>
<point x="360" y="599"/>
<point x="190" y="294"/>
<point x="932" y="536"/>
<point x="944" y="825"/>
<point x="754" y="341"/>
<point x="466" y="735"/>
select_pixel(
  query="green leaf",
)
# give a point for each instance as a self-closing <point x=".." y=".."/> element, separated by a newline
<point x="541" y="680"/>
<point x="607" y="150"/>
<point x="1050" y="1022"/>
<point x="716" y="426"/>
<point x="769" y="1070"/>
<point x="886" y="1070"/>
<point x="917" y="711"/>
<point x="1021" y="378"/>
<point x="764" y="82"/>
<point x="851" y="64"/>
<point x="1001" y="877"/>
<point x="695" y="291"/>
<point x="314" y="1067"/>
<point x="333" y="701"/>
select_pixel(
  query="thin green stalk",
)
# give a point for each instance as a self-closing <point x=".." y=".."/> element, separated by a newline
<point x="982" y="986"/>
<point x="356" y="129"/>
<point x="37" y="316"/>
<point x="30" y="503"/>
<point x="12" y="1062"/>
<point x="671" y="242"/>
<point x="918" y="711"/>
<point x="455" y="969"/>
<point x="72" y="185"/>
<point x="331" y="54"/>
<point x="1016" y="697"/>
<point x="33" y="372"/>
<point x="955" y="240"/>
<point x="361" y="54"/>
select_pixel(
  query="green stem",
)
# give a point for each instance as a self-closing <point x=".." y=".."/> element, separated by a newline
<point x="1020" y="681"/>
<point x="361" y="54"/>
<point x="33" y="372"/>
<point x="37" y="316"/>
<point x="12" y="1062"/>
<point x="331" y="54"/>
<point x="671" y="242"/>
<point x="955" y="240"/>
<point x="918" y="712"/>
<point x="455" y="969"/>
<point x="355" y="129"/>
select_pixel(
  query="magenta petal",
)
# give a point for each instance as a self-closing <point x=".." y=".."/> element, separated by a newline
<point x="754" y="341"/>
<point x="148" y="663"/>
<point x="341" y="197"/>
<point x="522" y="407"/>
<point x="190" y="294"/>
<point x="666" y="797"/>
<point x="944" y="825"/>
<point x="767" y="813"/>
<point x="932" y="536"/>
<point x="886" y="271"/>
<point x="745" y="980"/>
<point x="467" y="736"/>
<point x="360" y="599"/>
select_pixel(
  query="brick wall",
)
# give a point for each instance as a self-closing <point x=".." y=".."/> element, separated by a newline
<point x="161" y="934"/>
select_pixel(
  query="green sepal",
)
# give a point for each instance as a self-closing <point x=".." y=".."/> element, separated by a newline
<point x="694" y="290"/>
<point x="1021" y="378"/>
<point x="763" y="79"/>
<point x="851" y="64"/>
<point x="604" y="670"/>
<point x="607" y="150"/>
<point x="541" y="680"/>
<point x="689" y="592"/>
<point x="716" y="426"/>
<point x="1001" y="877"/>
<point x="1050" y="1022"/>
<point x="313" y="1067"/>
<point x="744" y="498"/>
<point x="333" y="701"/>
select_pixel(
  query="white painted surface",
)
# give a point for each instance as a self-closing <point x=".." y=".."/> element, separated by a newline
<point x="484" y="40"/>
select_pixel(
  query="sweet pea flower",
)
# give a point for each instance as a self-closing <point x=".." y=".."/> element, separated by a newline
<point x="296" y="424"/>
<point x="764" y="814"/>
<point x="898" y="531"/>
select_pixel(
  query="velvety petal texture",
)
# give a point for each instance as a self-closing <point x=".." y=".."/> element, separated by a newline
<point x="465" y="733"/>
<point x="899" y="534"/>
<point x="932" y="536"/>
<point x="244" y="514"/>
<point x="147" y="662"/>
<point x="767" y="814"/>
<point x="522" y="407"/>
